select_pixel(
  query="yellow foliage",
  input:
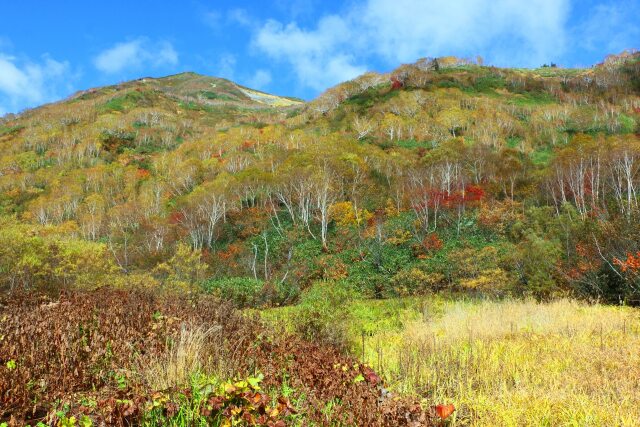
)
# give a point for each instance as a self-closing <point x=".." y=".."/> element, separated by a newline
<point x="416" y="282"/>
<point x="400" y="237"/>
<point x="494" y="280"/>
<point x="183" y="270"/>
<point x="36" y="257"/>
<point x="345" y="214"/>
<point x="500" y="215"/>
<point x="470" y="262"/>
<point x="390" y="209"/>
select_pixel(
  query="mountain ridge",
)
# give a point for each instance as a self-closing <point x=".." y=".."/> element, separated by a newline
<point x="192" y="86"/>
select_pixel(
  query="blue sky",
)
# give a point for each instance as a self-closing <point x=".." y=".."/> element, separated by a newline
<point x="49" y="49"/>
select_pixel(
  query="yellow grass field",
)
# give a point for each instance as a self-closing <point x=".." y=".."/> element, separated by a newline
<point x="507" y="363"/>
<point x="518" y="363"/>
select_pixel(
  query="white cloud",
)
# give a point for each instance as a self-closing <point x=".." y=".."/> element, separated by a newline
<point x="134" y="54"/>
<point x="212" y="19"/>
<point x="227" y="66"/>
<point x="613" y="26"/>
<point x="260" y="79"/>
<point x="26" y="84"/>
<point x="219" y="21"/>
<point x="403" y="30"/>
<point x="338" y="47"/>
<point x="167" y="55"/>
<point x="297" y="8"/>
<point x="240" y="16"/>
<point x="319" y="57"/>
<point x="119" y="57"/>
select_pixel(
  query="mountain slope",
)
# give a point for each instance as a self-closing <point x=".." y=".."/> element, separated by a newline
<point x="190" y="86"/>
<point x="140" y="117"/>
<point x="442" y="174"/>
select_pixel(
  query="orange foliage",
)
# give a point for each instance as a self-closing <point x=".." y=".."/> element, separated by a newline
<point x="333" y="269"/>
<point x="232" y="251"/>
<point x="252" y="223"/>
<point x="585" y="264"/>
<point x="248" y="145"/>
<point x="632" y="262"/>
<point x="176" y="217"/>
<point x="581" y="250"/>
<point x="432" y="242"/>
<point x="444" y="411"/>
<point x="218" y="156"/>
<point x="230" y="255"/>
<point x="143" y="174"/>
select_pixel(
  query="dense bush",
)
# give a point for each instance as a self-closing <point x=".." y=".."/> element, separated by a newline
<point x="97" y="358"/>
<point x="43" y="258"/>
<point x="248" y="292"/>
<point x="83" y="341"/>
<point x="243" y="291"/>
<point x="322" y="314"/>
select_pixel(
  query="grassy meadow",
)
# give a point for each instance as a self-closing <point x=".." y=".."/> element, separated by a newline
<point x="501" y="363"/>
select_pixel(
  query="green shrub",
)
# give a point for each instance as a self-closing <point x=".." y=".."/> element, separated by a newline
<point x="122" y="103"/>
<point x="489" y="83"/>
<point x="323" y="313"/>
<point x="627" y="124"/>
<point x="214" y="95"/>
<point x="242" y="291"/>
<point x="247" y="292"/>
<point x="535" y="260"/>
<point x="10" y="130"/>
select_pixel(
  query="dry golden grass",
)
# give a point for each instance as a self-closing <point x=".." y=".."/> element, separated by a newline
<point x="520" y="363"/>
<point x="190" y="354"/>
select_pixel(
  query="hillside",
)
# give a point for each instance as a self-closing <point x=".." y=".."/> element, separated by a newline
<point x="340" y="221"/>
<point x="189" y="87"/>
<point x="209" y="100"/>
<point x="429" y="161"/>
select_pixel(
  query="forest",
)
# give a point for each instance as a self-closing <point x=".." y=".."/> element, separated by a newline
<point x="410" y="248"/>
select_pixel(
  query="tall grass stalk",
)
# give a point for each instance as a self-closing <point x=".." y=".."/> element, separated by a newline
<point x="192" y="352"/>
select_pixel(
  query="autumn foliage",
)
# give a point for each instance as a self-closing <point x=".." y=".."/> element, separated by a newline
<point x="90" y="346"/>
<point x="631" y="264"/>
